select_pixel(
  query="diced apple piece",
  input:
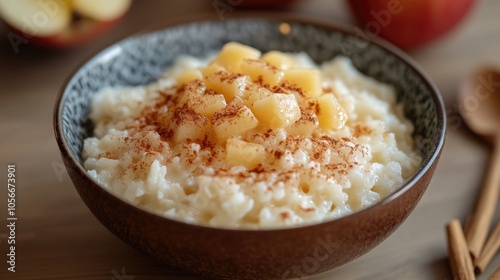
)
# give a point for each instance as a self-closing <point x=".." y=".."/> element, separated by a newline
<point x="237" y="101"/>
<point x="233" y="120"/>
<point x="101" y="10"/>
<point x="330" y="114"/>
<point x="206" y="104"/>
<point x="279" y="59"/>
<point x="254" y="92"/>
<point x="277" y="110"/>
<point x="37" y="18"/>
<point x="232" y="54"/>
<point x="261" y="71"/>
<point x="227" y="83"/>
<point x="188" y="126"/>
<point x="243" y="153"/>
<point x="192" y="90"/>
<point x="188" y="76"/>
<point x="190" y="131"/>
<point x="304" y="126"/>
<point x="307" y="79"/>
<point x="211" y="68"/>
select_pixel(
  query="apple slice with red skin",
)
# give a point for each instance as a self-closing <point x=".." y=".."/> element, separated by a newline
<point x="409" y="23"/>
<point x="53" y="24"/>
<point x="78" y="33"/>
<point x="37" y="17"/>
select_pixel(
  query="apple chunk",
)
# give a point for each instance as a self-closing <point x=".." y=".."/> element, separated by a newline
<point x="304" y="126"/>
<point x="233" y="120"/>
<point x="279" y="59"/>
<point x="330" y="114"/>
<point x="308" y="79"/>
<point x="37" y="17"/>
<point x="188" y="126"/>
<point x="232" y="54"/>
<point x="101" y="10"/>
<point x="277" y="110"/>
<point x="239" y="152"/>
<point x="229" y="84"/>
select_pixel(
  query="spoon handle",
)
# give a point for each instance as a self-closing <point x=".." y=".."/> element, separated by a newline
<point x="479" y="224"/>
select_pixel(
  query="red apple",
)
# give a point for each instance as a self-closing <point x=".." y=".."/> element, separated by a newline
<point x="409" y="23"/>
<point x="60" y="23"/>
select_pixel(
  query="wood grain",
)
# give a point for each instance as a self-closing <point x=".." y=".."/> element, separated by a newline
<point x="58" y="238"/>
<point x="495" y="275"/>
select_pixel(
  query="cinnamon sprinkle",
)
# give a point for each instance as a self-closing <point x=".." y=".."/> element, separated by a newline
<point x="284" y="215"/>
<point x="361" y="130"/>
<point x="228" y="77"/>
<point x="229" y="112"/>
<point x="171" y="110"/>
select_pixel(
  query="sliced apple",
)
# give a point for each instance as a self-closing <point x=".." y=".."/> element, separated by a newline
<point x="101" y="10"/>
<point x="75" y="35"/>
<point x="50" y="23"/>
<point x="37" y="17"/>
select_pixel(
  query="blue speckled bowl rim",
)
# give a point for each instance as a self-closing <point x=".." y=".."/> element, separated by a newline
<point x="277" y="16"/>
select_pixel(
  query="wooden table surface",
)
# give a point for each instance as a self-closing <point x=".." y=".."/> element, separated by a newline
<point x="57" y="237"/>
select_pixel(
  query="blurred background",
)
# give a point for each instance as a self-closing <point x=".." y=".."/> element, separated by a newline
<point x="43" y="41"/>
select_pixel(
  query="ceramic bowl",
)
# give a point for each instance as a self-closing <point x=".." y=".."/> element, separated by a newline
<point x="249" y="254"/>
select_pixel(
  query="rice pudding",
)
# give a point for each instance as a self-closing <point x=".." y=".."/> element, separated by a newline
<point x="251" y="140"/>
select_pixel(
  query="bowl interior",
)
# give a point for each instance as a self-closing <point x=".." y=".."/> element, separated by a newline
<point x="140" y="60"/>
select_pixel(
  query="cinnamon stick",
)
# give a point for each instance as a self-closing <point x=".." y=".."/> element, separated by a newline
<point x="460" y="261"/>
<point x="479" y="224"/>
<point x="491" y="247"/>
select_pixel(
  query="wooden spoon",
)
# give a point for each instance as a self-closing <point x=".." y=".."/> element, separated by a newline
<point x="479" y="105"/>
